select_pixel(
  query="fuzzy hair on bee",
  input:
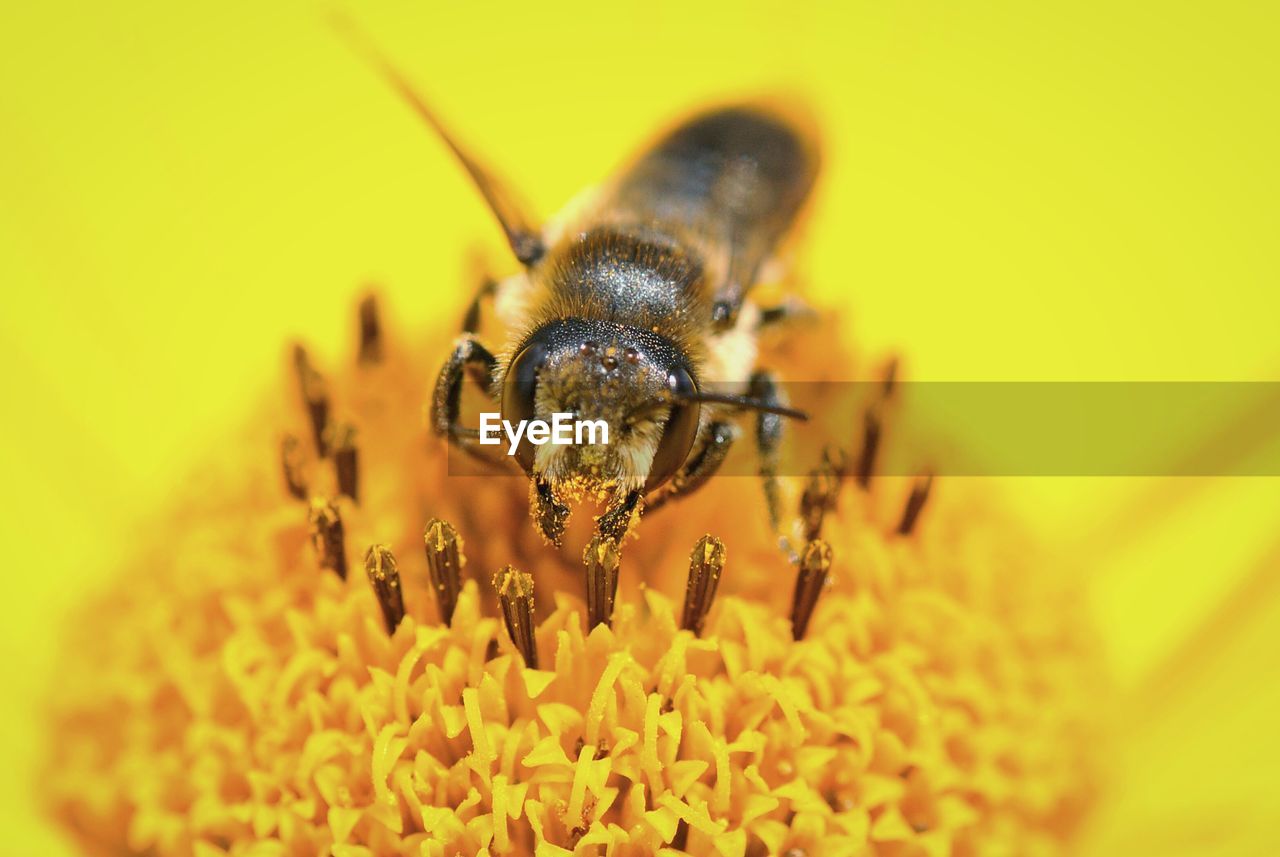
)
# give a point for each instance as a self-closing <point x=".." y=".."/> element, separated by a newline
<point x="634" y="308"/>
<point x="663" y="292"/>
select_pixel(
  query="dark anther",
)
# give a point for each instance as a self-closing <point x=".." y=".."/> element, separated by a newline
<point x="871" y="428"/>
<point x="370" y="332"/>
<point x="915" y="503"/>
<point x="444" y="558"/>
<point x="632" y="356"/>
<point x="342" y="443"/>
<point x="602" y="559"/>
<point x="889" y="382"/>
<point x="291" y="462"/>
<point x="380" y="565"/>
<point x="588" y="347"/>
<point x="705" y="565"/>
<point x="815" y="564"/>
<point x="315" y="396"/>
<point x="327" y="537"/>
<point x="515" y="594"/>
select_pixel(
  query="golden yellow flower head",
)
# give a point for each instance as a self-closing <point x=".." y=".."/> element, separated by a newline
<point x="237" y="691"/>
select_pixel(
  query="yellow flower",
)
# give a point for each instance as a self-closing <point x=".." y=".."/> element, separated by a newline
<point x="230" y="694"/>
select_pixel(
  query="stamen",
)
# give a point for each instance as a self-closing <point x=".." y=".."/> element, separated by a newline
<point x="515" y="594"/>
<point x="370" y="332"/>
<point x="342" y="443"/>
<point x="705" y="564"/>
<point x="871" y="430"/>
<point x="821" y="491"/>
<point x="327" y="536"/>
<point x="315" y="396"/>
<point x="889" y="383"/>
<point x="444" y="558"/>
<point x="915" y="503"/>
<point x="380" y="565"/>
<point x="873" y="424"/>
<point x="291" y="463"/>
<point x="815" y="563"/>
<point x="602" y="558"/>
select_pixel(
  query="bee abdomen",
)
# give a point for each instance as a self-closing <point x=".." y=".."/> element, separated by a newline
<point x="735" y="175"/>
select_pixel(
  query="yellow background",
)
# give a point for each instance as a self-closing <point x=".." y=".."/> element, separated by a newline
<point x="1013" y="191"/>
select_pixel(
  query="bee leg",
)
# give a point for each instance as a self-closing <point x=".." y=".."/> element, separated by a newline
<point x="471" y="321"/>
<point x="469" y="358"/>
<point x="616" y="520"/>
<point x="695" y="472"/>
<point x="548" y="513"/>
<point x="791" y="310"/>
<point x="821" y="491"/>
<point x="768" y="438"/>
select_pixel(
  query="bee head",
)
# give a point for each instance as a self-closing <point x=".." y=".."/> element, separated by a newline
<point x="633" y="381"/>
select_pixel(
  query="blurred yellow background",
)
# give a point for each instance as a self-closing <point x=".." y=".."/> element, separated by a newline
<point x="1012" y="191"/>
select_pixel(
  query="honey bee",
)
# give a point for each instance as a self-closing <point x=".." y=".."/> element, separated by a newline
<point x="635" y="309"/>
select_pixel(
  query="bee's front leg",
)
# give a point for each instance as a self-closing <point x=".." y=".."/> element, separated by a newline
<point x="469" y="358"/>
<point x="549" y="515"/>
<point x="471" y="320"/>
<point x="768" y="439"/>
<point x="616" y="520"/>
<point x="789" y="311"/>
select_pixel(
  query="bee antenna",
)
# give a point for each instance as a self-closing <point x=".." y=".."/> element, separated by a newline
<point x="746" y="402"/>
<point x="524" y="238"/>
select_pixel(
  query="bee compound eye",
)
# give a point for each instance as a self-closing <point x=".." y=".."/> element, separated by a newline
<point x="678" y="434"/>
<point x="520" y="394"/>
